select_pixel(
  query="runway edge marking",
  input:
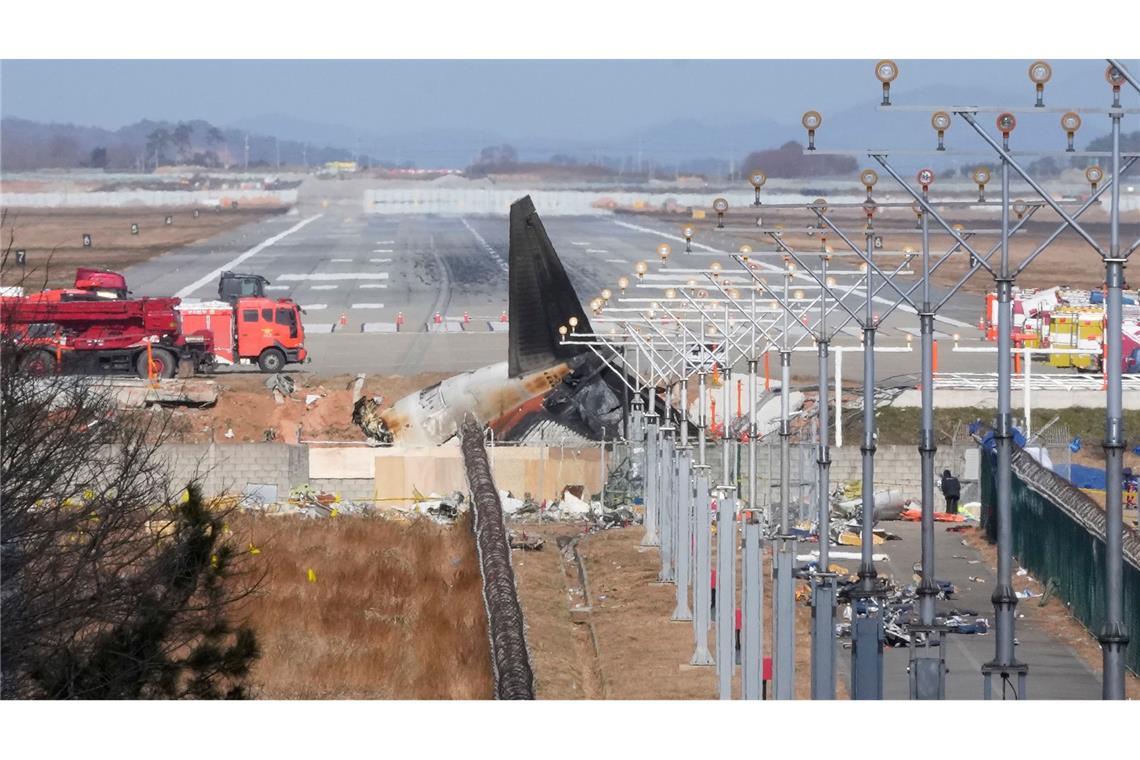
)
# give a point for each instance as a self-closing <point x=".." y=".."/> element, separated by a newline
<point x="229" y="265"/>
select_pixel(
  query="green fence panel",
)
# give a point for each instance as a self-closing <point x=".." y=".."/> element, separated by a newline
<point x="1058" y="535"/>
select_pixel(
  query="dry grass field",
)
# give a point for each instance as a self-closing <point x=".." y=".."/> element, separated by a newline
<point x="53" y="238"/>
<point x="391" y="609"/>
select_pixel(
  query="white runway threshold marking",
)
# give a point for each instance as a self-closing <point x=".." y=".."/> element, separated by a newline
<point x="382" y="250"/>
<point x="341" y="261"/>
<point x="314" y="306"/>
<point x="596" y="250"/>
<point x="330" y="276"/>
<point x="380" y="261"/>
<point x="368" y="306"/>
<point x="232" y="263"/>
<point x="373" y="285"/>
<point x="325" y="287"/>
<point x="277" y="287"/>
<point x="385" y="242"/>
<point x="616" y="261"/>
<point x="772" y="268"/>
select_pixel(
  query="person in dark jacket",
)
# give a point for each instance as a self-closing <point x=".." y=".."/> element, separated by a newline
<point x="951" y="491"/>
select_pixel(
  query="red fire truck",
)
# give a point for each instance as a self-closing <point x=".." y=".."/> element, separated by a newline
<point x="96" y="328"/>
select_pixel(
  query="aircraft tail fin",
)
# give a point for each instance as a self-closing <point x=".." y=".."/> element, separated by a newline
<point x="541" y="296"/>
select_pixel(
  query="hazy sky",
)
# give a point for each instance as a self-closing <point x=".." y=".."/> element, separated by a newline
<point x="557" y="98"/>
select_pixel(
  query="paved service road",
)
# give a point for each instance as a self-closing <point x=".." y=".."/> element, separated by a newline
<point x="1055" y="670"/>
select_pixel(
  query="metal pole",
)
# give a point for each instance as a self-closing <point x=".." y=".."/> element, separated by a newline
<point x="838" y="397"/>
<point x="1114" y="636"/>
<point x="702" y="577"/>
<point x="666" y="498"/>
<point x="784" y="664"/>
<point x="927" y="665"/>
<point x="1003" y="598"/>
<point x="725" y="592"/>
<point x="927" y="447"/>
<point x="867" y="644"/>
<point x="752" y="646"/>
<point x="702" y="406"/>
<point x="652" y="479"/>
<point x="684" y="517"/>
<point x="823" y="596"/>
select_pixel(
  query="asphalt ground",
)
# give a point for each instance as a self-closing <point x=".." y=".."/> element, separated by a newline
<point x="1055" y="670"/>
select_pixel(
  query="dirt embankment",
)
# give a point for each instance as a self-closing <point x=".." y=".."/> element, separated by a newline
<point x="247" y="408"/>
<point x="641" y="653"/>
<point x="366" y="608"/>
<point x="53" y="238"/>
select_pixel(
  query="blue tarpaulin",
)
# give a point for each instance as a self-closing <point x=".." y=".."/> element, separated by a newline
<point x="1082" y="476"/>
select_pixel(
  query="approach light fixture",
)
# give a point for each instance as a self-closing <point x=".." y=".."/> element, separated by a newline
<point x="757" y="178"/>
<point x="1006" y="122"/>
<point x="1020" y="207"/>
<point x="562" y="330"/>
<point x="573" y="321"/>
<point x="869" y="177"/>
<point x="606" y="294"/>
<point x="670" y="293"/>
<point x="941" y="122"/>
<point x="640" y="268"/>
<point x="811" y="121"/>
<point x="623" y="283"/>
<point x="687" y="232"/>
<point x="1094" y="174"/>
<point x="734" y="294"/>
<point x="798" y="295"/>
<point x="981" y="177"/>
<point x="745" y="251"/>
<point x="1114" y="77"/>
<point x="715" y="268"/>
<point x="1040" y="73"/>
<point x="1070" y="122"/>
<point x="925" y="178"/>
<point x="886" y="71"/>
<point x="832" y="282"/>
<point x="664" y="250"/>
<point x="720" y="205"/>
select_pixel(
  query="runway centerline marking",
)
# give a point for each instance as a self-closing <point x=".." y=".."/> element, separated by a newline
<point x="380" y="261"/>
<point x="329" y="276"/>
<point x="234" y="262"/>
<point x="314" y="306"/>
<point x="341" y="261"/>
<point x="382" y="250"/>
<point x="277" y="287"/>
<point x="373" y="285"/>
<point x="596" y="250"/>
<point x="368" y="306"/>
<point x="385" y="242"/>
<point x="325" y="287"/>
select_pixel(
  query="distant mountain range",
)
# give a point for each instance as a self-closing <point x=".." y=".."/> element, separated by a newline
<point x="685" y="145"/>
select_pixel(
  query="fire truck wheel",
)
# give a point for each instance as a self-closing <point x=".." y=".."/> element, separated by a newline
<point x="271" y="360"/>
<point x="165" y="364"/>
<point x="37" y="363"/>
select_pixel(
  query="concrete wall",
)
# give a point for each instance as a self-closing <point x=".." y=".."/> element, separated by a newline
<point x="235" y="467"/>
<point x="166" y="198"/>
<point x="392" y="475"/>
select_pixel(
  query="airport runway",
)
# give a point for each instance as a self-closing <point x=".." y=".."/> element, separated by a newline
<point x="372" y="285"/>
